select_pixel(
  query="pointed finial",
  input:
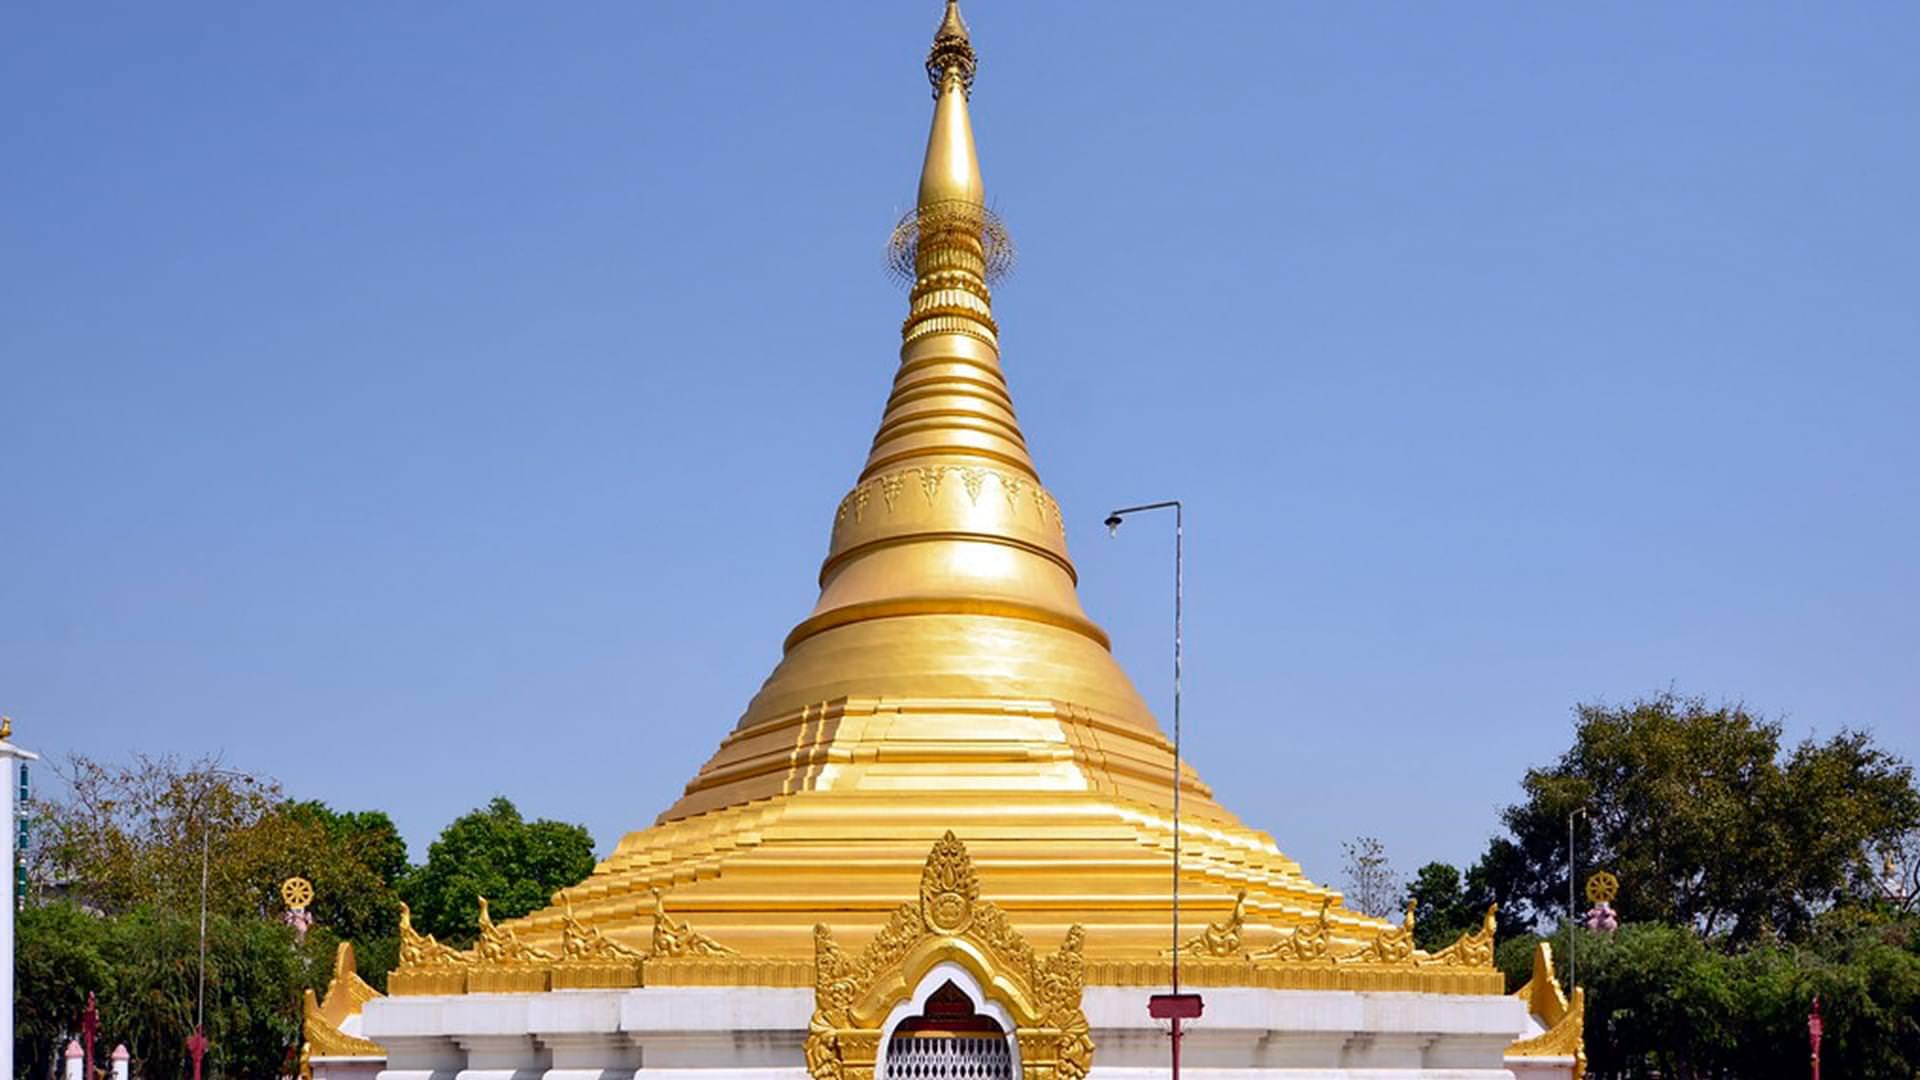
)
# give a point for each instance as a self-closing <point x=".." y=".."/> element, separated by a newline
<point x="952" y="52"/>
<point x="6" y="728"/>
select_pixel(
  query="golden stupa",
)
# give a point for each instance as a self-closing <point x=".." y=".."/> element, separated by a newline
<point x="948" y="814"/>
<point x="947" y="678"/>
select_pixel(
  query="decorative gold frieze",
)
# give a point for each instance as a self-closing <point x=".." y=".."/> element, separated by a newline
<point x="854" y="993"/>
<point x="426" y="966"/>
<point x="589" y="960"/>
<point x="1303" y="944"/>
<point x="1391" y="945"/>
<point x="675" y="939"/>
<point x="928" y="478"/>
<point x="1473" y="949"/>
<point x="503" y="964"/>
<point x="1309" y="958"/>
<point x="1221" y="938"/>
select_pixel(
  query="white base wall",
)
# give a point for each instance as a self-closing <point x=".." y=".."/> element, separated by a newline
<point x="703" y="1033"/>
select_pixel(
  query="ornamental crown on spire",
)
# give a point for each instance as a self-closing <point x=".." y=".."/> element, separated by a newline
<point x="952" y="52"/>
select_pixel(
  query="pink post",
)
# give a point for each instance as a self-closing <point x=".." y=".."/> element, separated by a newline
<point x="197" y="1046"/>
<point x="1814" y="1026"/>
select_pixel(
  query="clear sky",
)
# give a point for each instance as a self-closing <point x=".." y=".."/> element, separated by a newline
<point x="423" y="402"/>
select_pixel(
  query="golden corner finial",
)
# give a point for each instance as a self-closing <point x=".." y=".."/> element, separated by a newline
<point x="6" y="728"/>
<point x="952" y="55"/>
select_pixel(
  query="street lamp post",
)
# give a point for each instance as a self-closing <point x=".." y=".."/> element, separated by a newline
<point x="1175" y="1006"/>
<point x="197" y="1043"/>
<point x="1573" y="921"/>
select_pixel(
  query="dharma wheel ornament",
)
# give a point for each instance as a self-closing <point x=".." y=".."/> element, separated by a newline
<point x="1602" y="887"/>
<point x="297" y="892"/>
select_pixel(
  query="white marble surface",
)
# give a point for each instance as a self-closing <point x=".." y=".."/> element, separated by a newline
<point x="682" y="1033"/>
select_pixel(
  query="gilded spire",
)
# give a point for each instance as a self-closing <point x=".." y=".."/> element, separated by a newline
<point x="947" y="663"/>
<point x="952" y="51"/>
<point x="952" y="169"/>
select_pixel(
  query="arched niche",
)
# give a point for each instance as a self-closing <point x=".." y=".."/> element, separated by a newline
<point x="948" y="1027"/>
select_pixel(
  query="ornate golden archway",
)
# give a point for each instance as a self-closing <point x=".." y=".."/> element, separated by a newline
<point x="854" y="994"/>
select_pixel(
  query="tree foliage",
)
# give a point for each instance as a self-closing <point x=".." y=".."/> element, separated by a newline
<point x="1445" y="905"/>
<point x="143" y="966"/>
<point x="122" y="850"/>
<point x="131" y="836"/>
<point x="1664" y="1001"/>
<point x="494" y="852"/>
<point x="1704" y="818"/>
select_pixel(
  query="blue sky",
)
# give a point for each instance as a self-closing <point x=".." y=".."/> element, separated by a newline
<point x="423" y="402"/>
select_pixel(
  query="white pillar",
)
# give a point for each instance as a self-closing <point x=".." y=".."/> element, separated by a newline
<point x="8" y="902"/>
<point x="120" y="1056"/>
<point x="75" y="1062"/>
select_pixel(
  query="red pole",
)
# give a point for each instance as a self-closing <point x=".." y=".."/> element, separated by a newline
<point x="1175" y="1007"/>
<point x="1176" y="1049"/>
<point x="89" y="1027"/>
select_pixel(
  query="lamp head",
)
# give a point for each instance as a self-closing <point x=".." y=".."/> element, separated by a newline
<point x="1113" y="524"/>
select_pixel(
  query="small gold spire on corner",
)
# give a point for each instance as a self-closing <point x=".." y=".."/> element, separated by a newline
<point x="672" y="938"/>
<point x="1221" y="938"/>
<point x="6" y="728"/>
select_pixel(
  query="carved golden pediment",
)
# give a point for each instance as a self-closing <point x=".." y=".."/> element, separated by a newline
<point x="854" y="993"/>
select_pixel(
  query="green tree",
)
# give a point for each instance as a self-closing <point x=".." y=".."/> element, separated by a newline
<point x="1444" y="906"/>
<point x="124" y="842"/>
<point x="1664" y="1001"/>
<point x="143" y="966"/>
<point x="494" y="852"/>
<point x="1706" y="821"/>
<point x="61" y="952"/>
<point x="356" y="861"/>
<point x="129" y="836"/>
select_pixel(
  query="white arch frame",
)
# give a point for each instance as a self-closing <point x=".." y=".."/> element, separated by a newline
<point x="916" y="1004"/>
